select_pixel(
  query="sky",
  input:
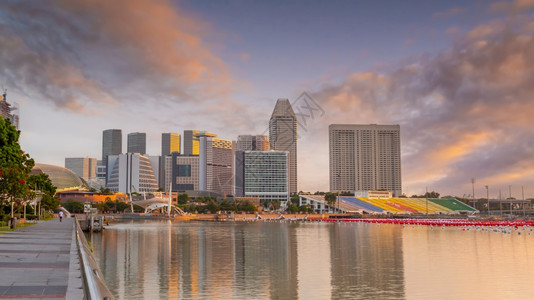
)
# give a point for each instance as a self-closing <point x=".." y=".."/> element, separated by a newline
<point x="457" y="76"/>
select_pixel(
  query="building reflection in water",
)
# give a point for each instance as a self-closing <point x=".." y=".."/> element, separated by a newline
<point x="162" y="259"/>
<point x="367" y="261"/>
<point x="273" y="260"/>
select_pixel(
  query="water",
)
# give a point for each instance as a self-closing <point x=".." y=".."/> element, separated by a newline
<point x="283" y="260"/>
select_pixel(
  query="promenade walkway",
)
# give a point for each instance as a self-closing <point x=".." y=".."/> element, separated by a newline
<point x="41" y="262"/>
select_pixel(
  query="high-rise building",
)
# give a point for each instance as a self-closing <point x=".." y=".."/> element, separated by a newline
<point x="182" y="171"/>
<point x="191" y="146"/>
<point x="156" y="164"/>
<point x="258" y="142"/>
<point x="111" y="144"/>
<point x="170" y="142"/>
<point x="365" y="157"/>
<point x="137" y="142"/>
<point x="283" y="137"/>
<point x="216" y="163"/>
<point x="84" y="167"/>
<point x="262" y="174"/>
<point x="130" y="172"/>
<point x="8" y="112"/>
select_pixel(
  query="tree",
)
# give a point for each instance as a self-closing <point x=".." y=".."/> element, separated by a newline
<point x="15" y="165"/>
<point x="73" y="206"/>
<point x="105" y="191"/>
<point x="183" y="199"/>
<point x="431" y="195"/>
<point x="212" y="207"/>
<point x="49" y="202"/>
<point x="292" y="208"/>
<point x="305" y="208"/>
<point x="121" y="206"/>
<point x="41" y="182"/>
<point x="247" y="206"/>
<point x="295" y="199"/>
<point x="330" y="198"/>
<point x="275" y="204"/>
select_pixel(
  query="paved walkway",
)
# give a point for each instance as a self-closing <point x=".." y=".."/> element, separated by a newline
<point x="40" y="262"/>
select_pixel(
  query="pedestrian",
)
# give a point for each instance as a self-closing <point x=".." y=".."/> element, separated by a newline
<point x="60" y="216"/>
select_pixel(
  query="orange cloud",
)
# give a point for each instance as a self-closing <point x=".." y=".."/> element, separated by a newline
<point x="82" y="52"/>
<point x="461" y="146"/>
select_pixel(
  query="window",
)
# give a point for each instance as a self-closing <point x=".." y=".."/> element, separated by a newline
<point x="185" y="187"/>
<point x="184" y="170"/>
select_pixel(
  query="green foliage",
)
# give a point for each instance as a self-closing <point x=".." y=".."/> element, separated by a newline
<point x="110" y="206"/>
<point x="73" y="206"/>
<point x="330" y="198"/>
<point x="49" y="202"/>
<point x="212" y="207"/>
<point x="305" y="209"/>
<point x="431" y="195"/>
<point x="292" y="208"/>
<point x="183" y="199"/>
<point x="15" y="165"/>
<point x="42" y="183"/>
<point x="105" y="191"/>
<point x="247" y="206"/>
<point x="121" y="206"/>
<point x="295" y="199"/>
<point x="227" y="206"/>
<point x="138" y="208"/>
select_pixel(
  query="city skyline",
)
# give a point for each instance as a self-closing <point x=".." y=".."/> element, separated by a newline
<point x="455" y="76"/>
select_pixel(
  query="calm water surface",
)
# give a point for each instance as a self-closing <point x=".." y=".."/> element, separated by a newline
<point x="264" y="260"/>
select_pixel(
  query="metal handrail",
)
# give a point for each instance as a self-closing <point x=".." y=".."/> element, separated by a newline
<point x="94" y="284"/>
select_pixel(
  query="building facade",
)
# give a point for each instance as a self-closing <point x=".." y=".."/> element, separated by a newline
<point x="216" y="164"/>
<point x="263" y="174"/>
<point x="170" y="142"/>
<point x="137" y="142"/>
<point x="7" y="111"/>
<point x="191" y="142"/>
<point x="85" y="167"/>
<point x="111" y="144"/>
<point x="130" y="172"/>
<point x="182" y="171"/>
<point x="283" y="137"/>
<point x="258" y="142"/>
<point x="365" y="157"/>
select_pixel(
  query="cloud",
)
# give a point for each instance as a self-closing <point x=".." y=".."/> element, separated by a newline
<point x="76" y="55"/>
<point x="464" y="112"/>
<point x="449" y="13"/>
<point x="516" y="6"/>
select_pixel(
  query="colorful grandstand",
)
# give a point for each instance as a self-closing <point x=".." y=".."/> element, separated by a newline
<point x="388" y="205"/>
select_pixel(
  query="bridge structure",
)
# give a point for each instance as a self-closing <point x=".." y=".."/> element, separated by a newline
<point x="158" y="204"/>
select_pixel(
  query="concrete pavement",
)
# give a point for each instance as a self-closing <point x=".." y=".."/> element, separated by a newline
<point x="41" y="262"/>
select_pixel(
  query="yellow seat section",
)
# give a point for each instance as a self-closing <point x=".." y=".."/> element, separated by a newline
<point x="382" y="203"/>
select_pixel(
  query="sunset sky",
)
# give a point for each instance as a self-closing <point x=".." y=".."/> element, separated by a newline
<point x="458" y="76"/>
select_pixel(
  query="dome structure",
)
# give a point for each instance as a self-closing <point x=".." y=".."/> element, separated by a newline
<point x="61" y="178"/>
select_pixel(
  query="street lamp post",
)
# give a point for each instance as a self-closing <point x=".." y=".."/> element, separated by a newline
<point x="523" y="198"/>
<point x="426" y="198"/>
<point x="338" y="185"/>
<point x="487" y="196"/>
<point x="473" y="183"/>
<point x="510" y="192"/>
